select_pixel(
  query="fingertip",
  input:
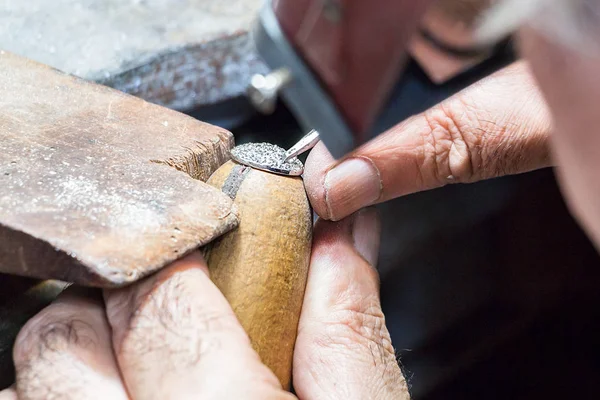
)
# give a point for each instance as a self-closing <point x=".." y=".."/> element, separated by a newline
<point x="194" y="260"/>
<point x="351" y="185"/>
<point x="318" y="163"/>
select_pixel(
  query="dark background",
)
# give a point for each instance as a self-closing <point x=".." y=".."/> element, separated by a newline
<point x="491" y="289"/>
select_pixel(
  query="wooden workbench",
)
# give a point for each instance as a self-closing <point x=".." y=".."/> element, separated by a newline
<point x="181" y="54"/>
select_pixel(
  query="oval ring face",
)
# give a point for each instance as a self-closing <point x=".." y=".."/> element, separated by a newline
<point x="267" y="157"/>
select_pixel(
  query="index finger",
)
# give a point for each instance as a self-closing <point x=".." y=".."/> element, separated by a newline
<point x="497" y="127"/>
<point x="175" y="336"/>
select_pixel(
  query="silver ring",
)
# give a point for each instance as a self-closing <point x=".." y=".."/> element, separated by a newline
<point x="267" y="157"/>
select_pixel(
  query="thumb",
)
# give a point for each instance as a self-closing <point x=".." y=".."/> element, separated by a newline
<point x="496" y="127"/>
<point x="343" y="349"/>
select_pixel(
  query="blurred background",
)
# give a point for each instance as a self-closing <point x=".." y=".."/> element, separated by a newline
<point x="490" y="289"/>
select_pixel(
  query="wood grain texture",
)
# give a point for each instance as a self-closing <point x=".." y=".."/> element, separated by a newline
<point x="90" y="194"/>
<point x="261" y="267"/>
<point x="181" y="54"/>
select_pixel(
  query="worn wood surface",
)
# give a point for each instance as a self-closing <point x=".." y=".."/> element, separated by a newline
<point x="90" y="193"/>
<point x="180" y="54"/>
<point x="261" y="267"/>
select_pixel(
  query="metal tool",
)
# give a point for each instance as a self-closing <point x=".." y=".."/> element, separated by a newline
<point x="334" y="62"/>
<point x="306" y="143"/>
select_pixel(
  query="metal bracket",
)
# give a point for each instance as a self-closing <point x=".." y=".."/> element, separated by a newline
<point x="303" y="93"/>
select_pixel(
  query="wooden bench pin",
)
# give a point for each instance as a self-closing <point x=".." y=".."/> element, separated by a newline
<point x="261" y="267"/>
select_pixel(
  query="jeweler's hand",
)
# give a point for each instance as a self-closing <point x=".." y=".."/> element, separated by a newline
<point x="496" y="127"/>
<point x="174" y="336"/>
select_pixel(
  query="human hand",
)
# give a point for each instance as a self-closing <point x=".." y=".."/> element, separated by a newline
<point x="496" y="127"/>
<point x="173" y="335"/>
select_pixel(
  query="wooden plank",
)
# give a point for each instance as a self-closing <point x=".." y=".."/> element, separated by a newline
<point x="90" y="193"/>
<point x="181" y="54"/>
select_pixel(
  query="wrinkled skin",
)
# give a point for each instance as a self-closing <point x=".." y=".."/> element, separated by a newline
<point x="533" y="114"/>
<point x="498" y="126"/>
<point x="174" y="336"/>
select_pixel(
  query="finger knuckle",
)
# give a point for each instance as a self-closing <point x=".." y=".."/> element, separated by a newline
<point x="359" y="335"/>
<point x="167" y="321"/>
<point x="450" y="149"/>
<point x="175" y="307"/>
<point x="52" y="333"/>
<point x="363" y="328"/>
